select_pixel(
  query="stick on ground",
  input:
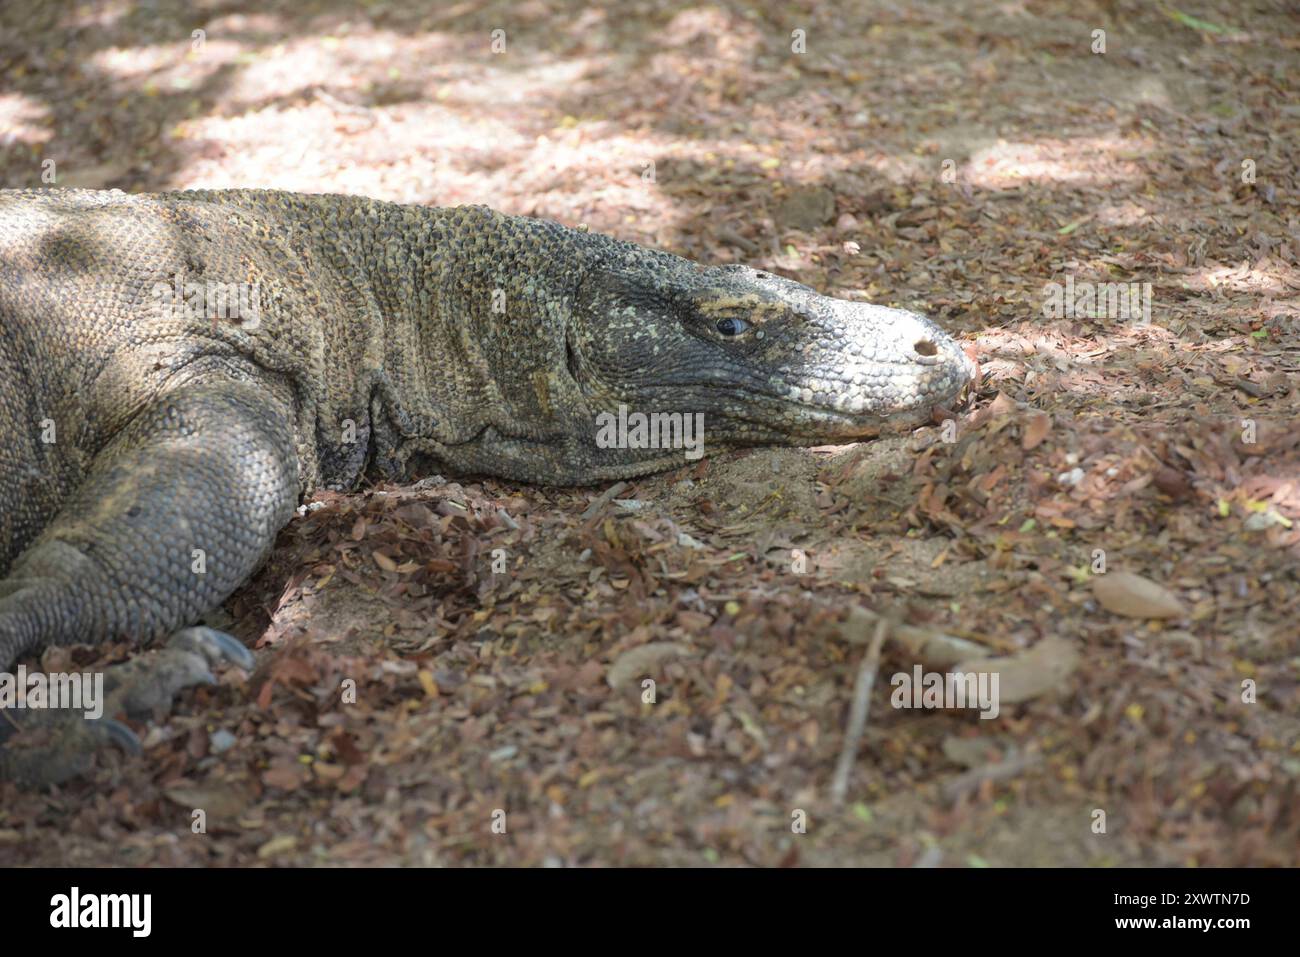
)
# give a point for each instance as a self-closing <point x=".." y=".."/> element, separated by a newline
<point x="858" y="712"/>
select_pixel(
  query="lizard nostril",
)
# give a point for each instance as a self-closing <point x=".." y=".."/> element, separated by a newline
<point x="924" y="347"/>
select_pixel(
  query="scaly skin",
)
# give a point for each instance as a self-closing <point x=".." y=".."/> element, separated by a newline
<point x="150" y="453"/>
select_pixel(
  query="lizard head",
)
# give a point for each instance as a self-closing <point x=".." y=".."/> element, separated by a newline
<point x="765" y="359"/>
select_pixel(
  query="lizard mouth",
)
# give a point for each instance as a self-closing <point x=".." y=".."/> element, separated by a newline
<point x="792" y="419"/>
<point x="757" y="413"/>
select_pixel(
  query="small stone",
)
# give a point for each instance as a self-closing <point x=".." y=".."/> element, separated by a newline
<point x="1070" y="478"/>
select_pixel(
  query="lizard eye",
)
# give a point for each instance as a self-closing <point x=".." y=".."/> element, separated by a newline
<point x="731" y="327"/>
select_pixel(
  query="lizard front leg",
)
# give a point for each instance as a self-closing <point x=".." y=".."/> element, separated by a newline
<point x="176" y="512"/>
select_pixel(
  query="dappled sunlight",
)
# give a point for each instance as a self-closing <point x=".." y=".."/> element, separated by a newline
<point x="99" y="16"/>
<point x="154" y="67"/>
<point x="1126" y="213"/>
<point x="1092" y="161"/>
<point x="728" y="37"/>
<point x="23" y="120"/>
<point x="1274" y="278"/>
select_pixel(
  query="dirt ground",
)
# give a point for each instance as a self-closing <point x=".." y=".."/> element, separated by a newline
<point x="453" y="672"/>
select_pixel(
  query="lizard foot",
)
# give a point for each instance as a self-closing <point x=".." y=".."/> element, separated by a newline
<point x="42" y="747"/>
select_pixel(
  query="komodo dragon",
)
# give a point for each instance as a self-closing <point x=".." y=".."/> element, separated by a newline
<point x="177" y="369"/>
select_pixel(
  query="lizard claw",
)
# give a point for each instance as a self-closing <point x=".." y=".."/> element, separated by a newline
<point x="147" y="684"/>
<point x="50" y="747"/>
<point x="121" y="735"/>
<point x="216" y="646"/>
<point x="63" y="744"/>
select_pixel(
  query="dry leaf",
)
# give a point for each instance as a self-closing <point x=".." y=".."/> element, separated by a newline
<point x="1002" y="404"/>
<point x="971" y="752"/>
<point x="221" y="801"/>
<point x="1136" y="597"/>
<point x="1173" y="483"/>
<point x="276" y="846"/>
<point x="637" y="662"/>
<point x="1030" y="673"/>
<point x="288" y="777"/>
<point x="1036" y="429"/>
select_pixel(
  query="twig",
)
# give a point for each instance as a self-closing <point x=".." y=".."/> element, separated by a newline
<point x="729" y="235"/>
<point x="858" y="712"/>
<point x="968" y="781"/>
<point x="932" y="646"/>
<point x="603" y="499"/>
